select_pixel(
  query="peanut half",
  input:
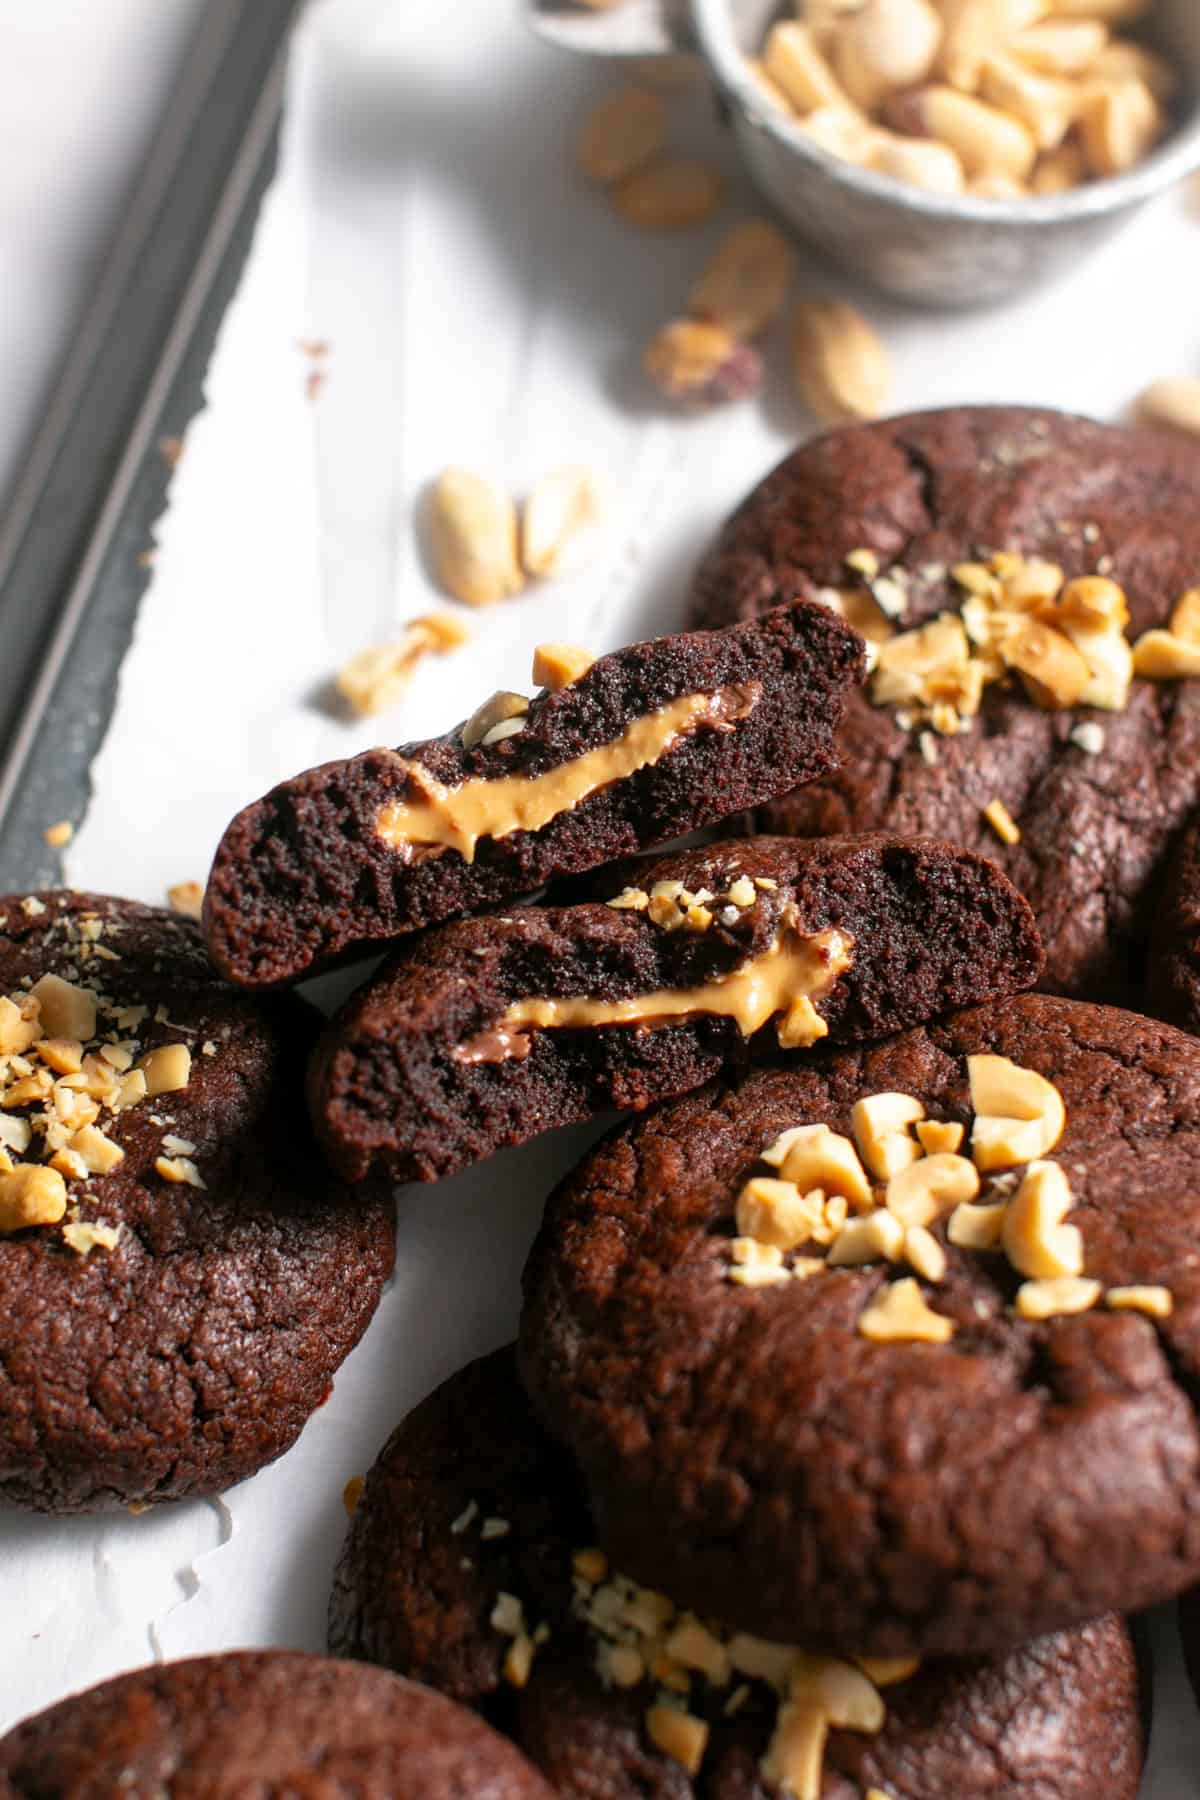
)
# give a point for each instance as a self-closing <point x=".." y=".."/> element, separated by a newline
<point x="473" y="537"/>
<point x="839" y="364"/>
<point x="745" y="282"/>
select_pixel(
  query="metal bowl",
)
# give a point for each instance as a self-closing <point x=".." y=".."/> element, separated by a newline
<point x="930" y="249"/>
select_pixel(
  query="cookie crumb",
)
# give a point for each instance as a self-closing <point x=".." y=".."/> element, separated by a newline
<point x="32" y="907"/>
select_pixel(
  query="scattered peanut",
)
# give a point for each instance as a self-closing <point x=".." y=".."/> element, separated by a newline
<point x="935" y="1185"/>
<point x="559" y="522"/>
<point x="885" y="45"/>
<point x="881" y="1131"/>
<point x="678" y="1735"/>
<point x="1156" y="1302"/>
<point x="745" y="282"/>
<point x="673" y="194"/>
<point x="375" y="679"/>
<point x="1174" y="402"/>
<point x="1035" y="1239"/>
<point x="473" y="535"/>
<point x="900" y="1314"/>
<point x="800" y="71"/>
<point x="839" y="364"/>
<point x="817" y="1157"/>
<point x="1019" y="1115"/>
<point x="186" y="898"/>
<point x="695" y="361"/>
<point x="621" y="134"/>
<point x="1052" y="1299"/>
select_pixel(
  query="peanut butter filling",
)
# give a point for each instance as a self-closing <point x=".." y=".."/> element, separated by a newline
<point x="784" y="981"/>
<point x="455" y="818"/>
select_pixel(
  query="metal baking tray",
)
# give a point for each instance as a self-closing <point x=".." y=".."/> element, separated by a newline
<point x="74" y="535"/>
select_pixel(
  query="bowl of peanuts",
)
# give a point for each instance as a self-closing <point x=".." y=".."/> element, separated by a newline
<point x="957" y="152"/>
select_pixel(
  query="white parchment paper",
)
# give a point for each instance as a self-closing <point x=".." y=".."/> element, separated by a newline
<point x="479" y="307"/>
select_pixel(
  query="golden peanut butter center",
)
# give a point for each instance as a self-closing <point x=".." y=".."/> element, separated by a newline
<point x="784" y="981"/>
<point x="455" y="818"/>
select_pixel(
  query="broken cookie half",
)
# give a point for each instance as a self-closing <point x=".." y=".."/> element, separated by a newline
<point x="613" y="756"/>
<point x="489" y="1031"/>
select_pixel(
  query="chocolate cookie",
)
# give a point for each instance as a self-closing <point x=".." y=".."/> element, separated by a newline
<point x="1174" y="987"/>
<point x="274" y="1724"/>
<point x="489" y="1031"/>
<point x="869" y="1388"/>
<point x="877" y="518"/>
<point x="1189" y="1633"/>
<point x="642" y="746"/>
<point x="470" y="1563"/>
<point x="179" y="1277"/>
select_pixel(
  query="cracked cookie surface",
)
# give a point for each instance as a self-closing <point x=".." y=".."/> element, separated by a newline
<point x="928" y="491"/>
<point x="229" y="1274"/>
<point x="947" y="1497"/>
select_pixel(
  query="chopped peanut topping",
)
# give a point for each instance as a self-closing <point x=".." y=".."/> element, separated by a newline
<point x="556" y="666"/>
<point x="1035" y="1239"/>
<point x="900" y="1315"/>
<point x="1051" y="1299"/>
<point x="977" y="1227"/>
<point x="679" y="1735"/>
<point x="925" y="1190"/>
<point x="1019" y="1115"/>
<point x="167" y="1069"/>
<point x="936" y="1135"/>
<point x="874" y="1237"/>
<point x="1157" y="1302"/>
<point x="816" y="1157"/>
<point x="31" y="1195"/>
<point x="881" y="1132"/>
<point x="1002" y="822"/>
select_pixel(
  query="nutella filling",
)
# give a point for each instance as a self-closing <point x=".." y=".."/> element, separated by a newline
<point x="455" y="818"/>
<point x="784" y="980"/>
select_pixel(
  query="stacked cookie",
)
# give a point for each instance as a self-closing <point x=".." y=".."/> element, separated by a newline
<point x="852" y="1403"/>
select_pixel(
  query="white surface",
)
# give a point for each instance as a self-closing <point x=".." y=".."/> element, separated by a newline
<point x="480" y="309"/>
<point x="81" y="88"/>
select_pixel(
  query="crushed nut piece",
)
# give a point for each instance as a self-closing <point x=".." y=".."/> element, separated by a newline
<point x="179" y="1169"/>
<point x="518" y="1662"/>
<point x="1019" y="1115"/>
<point x="557" y="666"/>
<point x="755" y="1264"/>
<point x="59" y="836"/>
<point x="900" y="1315"/>
<point x="776" y="1212"/>
<point x="881" y="1131"/>
<point x="1174" y="402"/>
<point x="83" y="1236"/>
<point x="376" y="678"/>
<point x="873" y="1237"/>
<point x="977" y="1227"/>
<point x="352" y="1494"/>
<point x="466" y="1517"/>
<point x="167" y="1070"/>
<point x="630" y="900"/>
<point x="31" y="1194"/>
<point x="186" y="898"/>
<point x="1161" y="656"/>
<point x="923" y="1191"/>
<point x="1035" y="1239"/>
<point x="937" y="1135"/>
<point x="817" y="1157"/>
<point x="794" y="1758"/>
<point x="1053" y="1299"/>
<point x="801" y="1025"/>
<point x="923" y="1252"/>
<point x="1002" y="822"/>
<point x="494" y="1528"/>
<point x="678" y="1735"/>
<point x="1157" y="1302"/>
<point x="66" y="1011"/>
<point x="507" y="1615"/>
<point x="590" y="1565"/>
